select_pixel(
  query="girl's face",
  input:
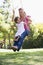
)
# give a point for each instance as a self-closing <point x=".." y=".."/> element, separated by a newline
<point x="18" y="20"/>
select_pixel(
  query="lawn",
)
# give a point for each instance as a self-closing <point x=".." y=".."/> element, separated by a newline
<point x="21" y="58"/>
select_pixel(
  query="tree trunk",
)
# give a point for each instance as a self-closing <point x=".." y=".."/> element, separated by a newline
<point x="4" y="42"/>
<point x="9" y="40"/>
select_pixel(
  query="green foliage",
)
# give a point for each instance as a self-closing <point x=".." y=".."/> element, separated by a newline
<point x="34" y="40"/>
<point x="8" y="28"/>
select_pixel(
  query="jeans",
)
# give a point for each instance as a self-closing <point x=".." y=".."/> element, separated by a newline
<point x="20" y="41"/>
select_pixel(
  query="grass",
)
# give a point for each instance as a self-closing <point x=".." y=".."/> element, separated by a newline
<point x="21" y="58"/>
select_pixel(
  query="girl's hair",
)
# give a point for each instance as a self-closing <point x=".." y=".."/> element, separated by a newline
<point x="16" y="19"/>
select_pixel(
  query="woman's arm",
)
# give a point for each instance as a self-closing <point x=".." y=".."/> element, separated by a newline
<point x="29" y="20"/>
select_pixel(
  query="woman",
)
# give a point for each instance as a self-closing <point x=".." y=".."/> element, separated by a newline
<point x="26" y="19"/>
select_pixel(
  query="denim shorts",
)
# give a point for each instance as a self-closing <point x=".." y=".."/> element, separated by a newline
<point x="22" y="37"/>
<point x="25" y="33"/>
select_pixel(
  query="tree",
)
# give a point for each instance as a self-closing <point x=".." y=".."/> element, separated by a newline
<point x="7" y="25"/>
<point x="35" y="39"/>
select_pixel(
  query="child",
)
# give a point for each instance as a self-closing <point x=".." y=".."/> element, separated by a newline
<point x="20" y="30"/>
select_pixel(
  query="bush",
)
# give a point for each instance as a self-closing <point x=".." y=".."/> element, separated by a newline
<point x="33" y="43"/>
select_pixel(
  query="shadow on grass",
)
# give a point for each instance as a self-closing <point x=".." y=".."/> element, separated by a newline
<point x="21" y="58"/>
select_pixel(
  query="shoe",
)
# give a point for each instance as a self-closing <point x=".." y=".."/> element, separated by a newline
<point x="14" y="48"/>
<point x="18" y="49"/>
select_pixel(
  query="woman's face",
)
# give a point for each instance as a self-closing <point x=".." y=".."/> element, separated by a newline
<point x="21" y="13"/>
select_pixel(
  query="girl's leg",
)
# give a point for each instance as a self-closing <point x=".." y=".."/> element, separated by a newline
<point x="20" y="41"/>
<point x="24" y="34"/>
<point x="15" y="45"/>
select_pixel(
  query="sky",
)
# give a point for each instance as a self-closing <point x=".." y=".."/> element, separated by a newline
<point x="34" y="8"/>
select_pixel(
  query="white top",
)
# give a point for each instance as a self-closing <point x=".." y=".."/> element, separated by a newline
<point x="20" y="28"/>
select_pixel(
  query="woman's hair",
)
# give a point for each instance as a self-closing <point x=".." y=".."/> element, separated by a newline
<point x="16" y="19"/>
<point x="20" y="9"/>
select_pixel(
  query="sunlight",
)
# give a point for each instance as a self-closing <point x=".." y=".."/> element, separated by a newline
<point x="32" y="8"/>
